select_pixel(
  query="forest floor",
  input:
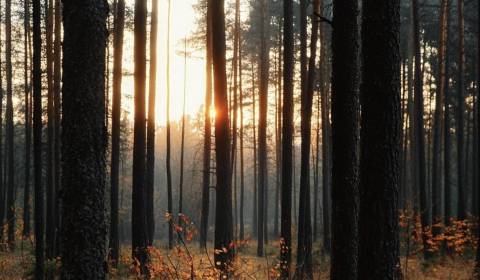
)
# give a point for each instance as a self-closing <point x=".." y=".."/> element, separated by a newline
<point x="177" y="265"/>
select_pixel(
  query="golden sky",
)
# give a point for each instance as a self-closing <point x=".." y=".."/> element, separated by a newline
<point x="183" y="23"/>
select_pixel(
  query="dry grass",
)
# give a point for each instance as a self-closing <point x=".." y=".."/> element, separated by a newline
<point x="176" y="264"/>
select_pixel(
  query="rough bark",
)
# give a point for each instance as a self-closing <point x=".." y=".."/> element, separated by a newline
<point x="84" y="223"/>
<point x="380" y="141"/>
<point x="287" y="135"/>
<point x="345" y="140"/>
<point x="115" y="142"/>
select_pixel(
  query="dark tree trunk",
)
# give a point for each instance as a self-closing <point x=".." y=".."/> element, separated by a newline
<point x="10" y="130"/>
<point x="477" y="262"/>
<point x="50" y="226"/>
<point x="2" y="154"/>
<point x="345" y="140"/>
<point x="287" y="137"/>
<point x="182" y="145"/>
<point x="326" y="170"/>
<point x="437" y="129"/>
<point x="461" y="212"/>
<point x="168" y="152"/>
<point x="28" y="123"/>
<point x="57" y="88"/>
<point x="262" y="129"/>
<point x="37" y="143"/>
<point x="116" y="108"/>
<point x="84" y="139"/>
<point x="139" y="227"/>
<point x="419" y="131"/>
<point x="446" y="128"/>
<point x="240" y="89"/>
<point x="150" y="164"/>
<point x="255" y="170"/>
<point x="278" y="136"/>
<point x="380" y="141"/>
<point x="304" y="248"/>
<point x="207" y="137"/>
<point x="223" y="217"/>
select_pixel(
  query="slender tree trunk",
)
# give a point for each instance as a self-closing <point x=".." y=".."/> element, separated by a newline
<point x="223" y="217"/>
<point x="10" y="130"/>
<point x="262" y="129"/>
<point x="461" y="212"/>
<point x="2" y="154"/>
<point x="325" y="160"/>
<point x="345" y="134"/>
<point x="419" y="133"/>
<point x="477" y="262"/>
<point x="437" y="142"/>
<point x="28" y="131"/>
<point x="150" y="164"/>
<point x="287" y="135"/>
<point x="446" y="128"/>
<point x="57" y="88"/>
<point x="182" y="146"/>
<point x="278" y="136"/>
<point x="37" y="143"/>
<point x="207" y="137"/>
<point x="380" y="141"/>
<point x="50" y="227"/>
<point x="84" y="139"/>
<point x="168" y="157"/>
<point x="255" y="170"/>
<point x="304" y="248"/>
<point x="242" y="169"/>
<point x="139" y="227"/>
<point x="116" y="108"/>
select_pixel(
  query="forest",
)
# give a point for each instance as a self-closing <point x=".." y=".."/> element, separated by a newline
<point x="240" y="139"/>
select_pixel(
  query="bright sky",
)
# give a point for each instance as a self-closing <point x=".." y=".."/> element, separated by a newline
<point x="183" y="23"/>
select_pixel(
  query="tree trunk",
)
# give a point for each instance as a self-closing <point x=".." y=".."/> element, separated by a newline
<point x="10" y="130"/>
<point x="28" y="131"/>
<point x="150" y="164"/>
<point x="262" y="129"/>
<point x="437" y="142"/>
<point x="287" y="137"/>
<point x="446" y="128"/>
<point x="168" y="157"/>
<point x="139" y="227"/>
<point x="57" y="88"/>
<point x="116" y="107"/>
<point x="345" y="134"/>
<point x="278" y="136"/>
<point x="182" y="145"/>
<point x="477" y="261"/>
<point x="37" y="143"/>
<point x="50" y="226"/>
<point x="223" y="217"/>
<point x="419" y="132"/>
<point x="380" y="141"/>
<point x="255" y="170"/>
<point x="84" y="139"/>
<point x="207" y="137"/>
<point x="304" y="248"/>
<point x="461" y="212"/>
<point x="242" y="169"/>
